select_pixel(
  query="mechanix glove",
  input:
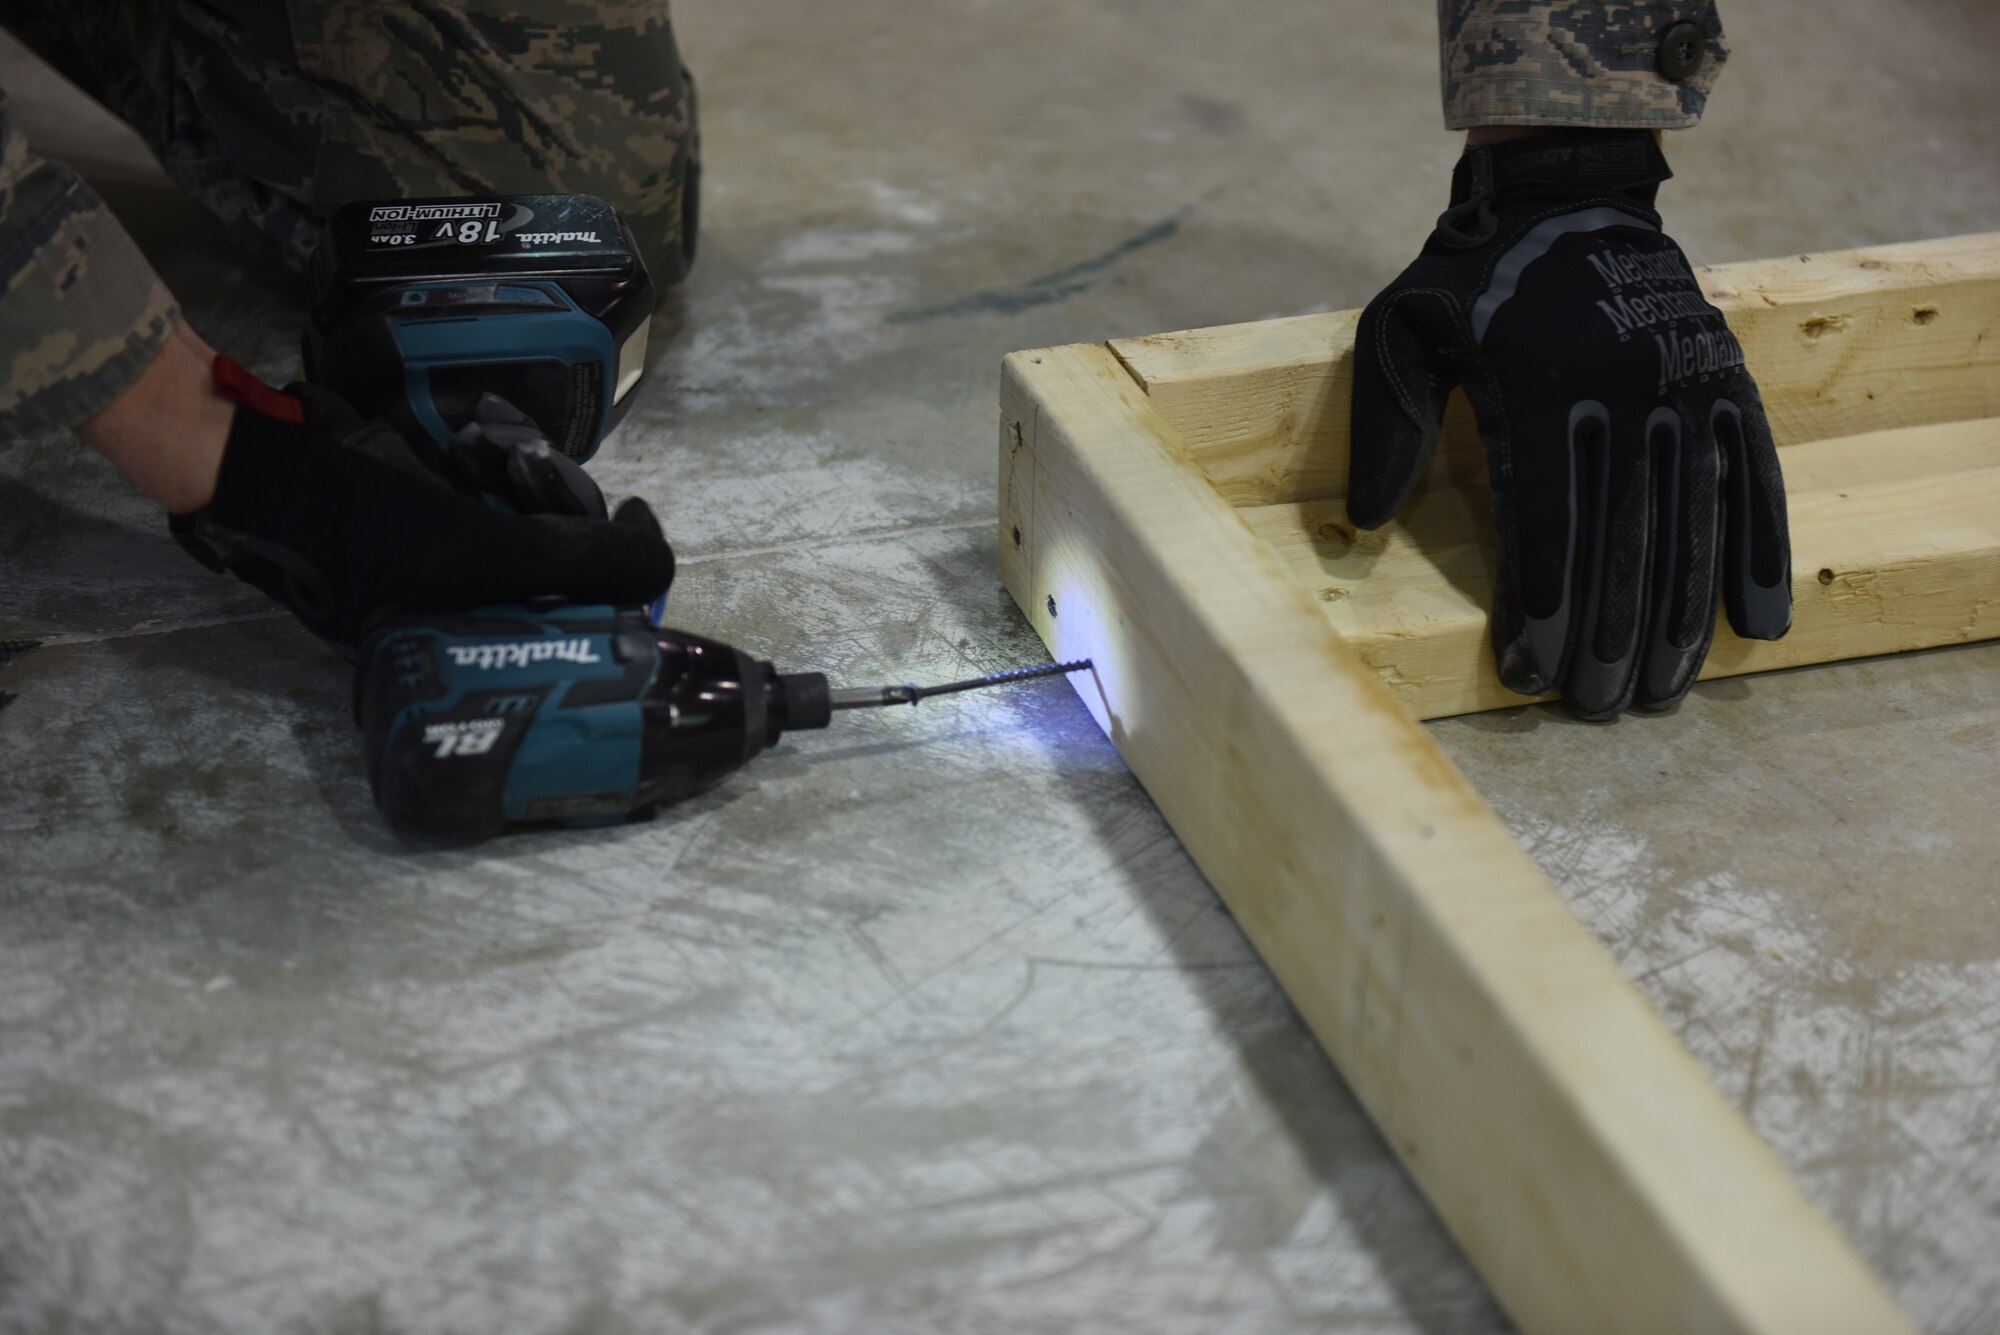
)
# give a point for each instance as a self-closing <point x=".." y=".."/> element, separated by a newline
<point x="1632" y="469"/>
<point x="339" y="519"/>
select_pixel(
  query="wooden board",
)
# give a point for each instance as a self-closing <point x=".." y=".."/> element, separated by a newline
<point x="1573" y="1148"/>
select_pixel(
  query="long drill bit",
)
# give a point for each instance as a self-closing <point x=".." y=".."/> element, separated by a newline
<point x="872" y="697"/>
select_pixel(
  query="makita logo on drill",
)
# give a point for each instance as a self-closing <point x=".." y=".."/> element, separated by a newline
<point x="521" y="653"/>
<point x="556" y="238"/>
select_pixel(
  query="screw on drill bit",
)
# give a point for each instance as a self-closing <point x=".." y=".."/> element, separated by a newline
<point x="870" y="697"/>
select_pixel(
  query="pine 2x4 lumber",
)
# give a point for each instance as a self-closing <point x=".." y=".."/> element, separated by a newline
<point x="1567" y="1140"/>
<point x="1587" y="1167"/>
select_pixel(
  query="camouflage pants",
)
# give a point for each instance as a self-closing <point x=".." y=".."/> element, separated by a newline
<point x="271" y="115"/>
<point x="1573" y="62"/>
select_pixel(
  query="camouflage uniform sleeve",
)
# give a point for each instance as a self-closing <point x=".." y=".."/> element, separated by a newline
<point x="1571" y="62"/>
<point x="81" y="311"/>
<point x="519" y="96"/>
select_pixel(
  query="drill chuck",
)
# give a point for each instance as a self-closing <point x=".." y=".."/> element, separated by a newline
<point x="806" y="699"/>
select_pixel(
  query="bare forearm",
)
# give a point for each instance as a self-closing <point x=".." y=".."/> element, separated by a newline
<point x="167" y="430"/>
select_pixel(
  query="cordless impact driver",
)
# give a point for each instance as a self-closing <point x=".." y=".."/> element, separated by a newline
<point x="422" y="312"/>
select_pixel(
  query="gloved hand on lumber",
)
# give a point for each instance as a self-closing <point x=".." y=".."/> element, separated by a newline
<point x="1632" y="468"/>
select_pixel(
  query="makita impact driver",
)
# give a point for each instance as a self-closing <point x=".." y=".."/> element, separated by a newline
<point x="508" y="333"/>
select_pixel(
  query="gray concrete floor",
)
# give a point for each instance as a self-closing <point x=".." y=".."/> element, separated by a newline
<point x="927" y="1022"/>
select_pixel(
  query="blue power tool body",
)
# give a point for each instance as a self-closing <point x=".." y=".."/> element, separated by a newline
<point x="505" y="716"/>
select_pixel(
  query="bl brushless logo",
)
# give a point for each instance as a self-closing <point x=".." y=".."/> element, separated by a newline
<point x="522" y="653"/>
<point x="471" y="737"/>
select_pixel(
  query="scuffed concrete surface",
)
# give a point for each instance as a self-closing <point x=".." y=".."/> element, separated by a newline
<point x="926" y="1022"/>
<point x="1802" y="871"/>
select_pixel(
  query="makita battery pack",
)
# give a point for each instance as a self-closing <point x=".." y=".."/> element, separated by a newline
<point x="418" y="306"/>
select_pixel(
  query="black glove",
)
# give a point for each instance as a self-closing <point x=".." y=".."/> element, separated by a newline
<point x="1631" y="466"/>
<point x="339" y="520"/>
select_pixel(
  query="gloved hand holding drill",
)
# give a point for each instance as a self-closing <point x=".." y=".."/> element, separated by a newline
<point x="1633" y="473"/>
<point x="342" y="519"/>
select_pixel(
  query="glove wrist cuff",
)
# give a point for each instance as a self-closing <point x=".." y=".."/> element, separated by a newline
<point x="250" y="512"/>
<point x="260" y="465"/>
<point x="1592" y="161"/>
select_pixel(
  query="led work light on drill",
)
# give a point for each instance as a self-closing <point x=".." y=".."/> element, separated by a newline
<point x="547" y="711"/>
